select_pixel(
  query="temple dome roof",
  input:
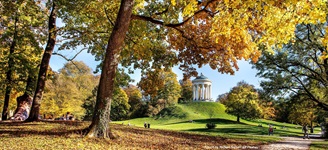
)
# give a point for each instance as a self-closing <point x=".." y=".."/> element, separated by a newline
<point x="201" y="76"/>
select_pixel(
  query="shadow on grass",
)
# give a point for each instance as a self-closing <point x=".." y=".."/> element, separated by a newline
<point x="171" y="112"/>
<point x="240" y="130"/>
<point x="22" y="133"/>
<point x="276" y="124"/>
<point x="161" y="132"/>
<point x="22" y="123"/>
<point x="21" y="129"/>
<point x="204" y="121"/>
<point x="17" y="123"/>
<point x="247" y="129"/>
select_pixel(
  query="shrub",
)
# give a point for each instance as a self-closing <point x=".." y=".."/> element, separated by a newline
<point x="210" y="125"/>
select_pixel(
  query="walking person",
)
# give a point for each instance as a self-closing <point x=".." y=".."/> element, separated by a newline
<point x="270" y="130"/>
<point x="306" y="131"/>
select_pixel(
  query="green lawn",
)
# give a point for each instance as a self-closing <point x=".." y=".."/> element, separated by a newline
<point x="186" y="135"/>
<point x="178" y="118"/>
<point x="319" y="145"/>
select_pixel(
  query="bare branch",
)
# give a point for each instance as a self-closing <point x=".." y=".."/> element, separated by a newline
<point x="70" y="59"/>
<point x="110" y="21"/>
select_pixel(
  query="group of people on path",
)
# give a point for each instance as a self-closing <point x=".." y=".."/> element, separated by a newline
<point x="305" y="130"/>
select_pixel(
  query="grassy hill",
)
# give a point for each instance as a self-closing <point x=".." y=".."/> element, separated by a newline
<point x="192" y="117"/>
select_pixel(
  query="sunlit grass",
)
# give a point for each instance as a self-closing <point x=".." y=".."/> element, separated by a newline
<point x="319" y="145"/>
<point x="227" y="126"/>
<point x="166" y="132"/>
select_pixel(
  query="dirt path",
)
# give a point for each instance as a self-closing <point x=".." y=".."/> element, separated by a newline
<point x="292" y="143"/>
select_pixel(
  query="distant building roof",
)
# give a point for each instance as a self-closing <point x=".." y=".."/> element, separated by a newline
<point x="201" y="76"/>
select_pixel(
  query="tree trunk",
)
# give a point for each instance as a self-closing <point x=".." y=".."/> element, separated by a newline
<point x="22" y="111"/>
<point x="24" y="102"/>
<point x="311" y="129"/>
<point x="34" y="115"/>
<point x="9" y="73"/>
<point x="238" y="118"/>
<point x="101" y="117"/>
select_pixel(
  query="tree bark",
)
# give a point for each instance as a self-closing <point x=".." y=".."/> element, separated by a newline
<point x="22" y="111"/>
<point x="9" y="73"/>
<point x="35" y="109"/>
<point x="99" y="127"/>
<point x="311" y="129"/>
<point x="238" y="118"/>
<point x="24" y="102"/>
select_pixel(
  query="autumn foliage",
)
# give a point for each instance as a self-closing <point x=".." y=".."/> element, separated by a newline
<point x="67" y="135"/>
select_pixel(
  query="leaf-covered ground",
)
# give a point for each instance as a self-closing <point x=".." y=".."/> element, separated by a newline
<point x="67" y="135"/>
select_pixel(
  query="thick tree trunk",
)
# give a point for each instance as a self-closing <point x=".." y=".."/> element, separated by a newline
<point x="22" y="111"/>
<point x="311" y="129"/>
<point x="24" y="102"/>
<point x="9" y="73"/>
<point x="35" y="110"/>
<point x="238" y="119"/>
<point x="100" y="122"/>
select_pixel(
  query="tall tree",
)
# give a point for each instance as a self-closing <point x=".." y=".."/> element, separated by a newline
<point x="222" y="97"/>
<point x="52" y="33"/>
<point x="300" y="67"/>
<point x="211" y="32"/>
<point x="267" y="104"/>
<point x="67" y="90"/>
<point x="171" y="91"/>
<point x="302" y="112"/>
<point x="22" y="33"/>
<point x="135" y="100"/>
<point x="161" y="84"/>
<point x="243" y="102"/>
<point x="120" y="105"/>
<point x="150" y="83"/>
<point x="186" y="90"/>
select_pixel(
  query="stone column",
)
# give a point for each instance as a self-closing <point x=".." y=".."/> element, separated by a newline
<point x="196" y="94"/>
<point x="203" y="91"/>
<point x="193" y="92"/>
<point x="206" y="91"/>
<point x="200" y="92"/>
<point x="198" y="89"/>
<point x="210" y="91"/>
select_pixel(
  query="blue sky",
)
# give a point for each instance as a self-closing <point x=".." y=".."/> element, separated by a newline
<point x="221" y="83"/>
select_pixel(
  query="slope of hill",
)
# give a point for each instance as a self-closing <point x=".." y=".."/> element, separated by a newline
<point x="192" y="117"/>
<point x="184" y="113"/>
<point x="196" y="110"/>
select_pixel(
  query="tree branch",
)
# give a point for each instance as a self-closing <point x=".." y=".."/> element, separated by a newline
<point x="158" y="22"/>
<point x="311" y="96"/>
<point x="110" y="21"/>
<point x="70" y="59"/>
